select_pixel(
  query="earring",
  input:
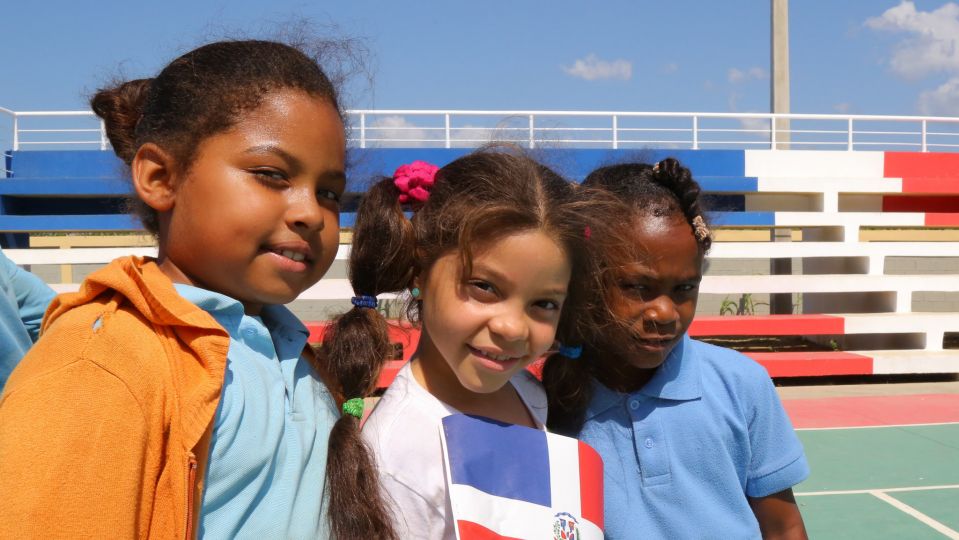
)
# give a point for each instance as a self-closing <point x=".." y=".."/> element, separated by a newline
<point x="415" y="291"/>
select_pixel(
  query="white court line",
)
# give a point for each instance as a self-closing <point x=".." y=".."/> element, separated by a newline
<point x="875" y="427"/>
<point x="950" y="533"/>
<point x="872" y="491"/>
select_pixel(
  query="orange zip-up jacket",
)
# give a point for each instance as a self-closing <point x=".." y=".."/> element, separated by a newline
<point x="105" y="424"/>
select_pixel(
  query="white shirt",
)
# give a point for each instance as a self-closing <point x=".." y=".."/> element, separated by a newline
<point x="404" y="433"/>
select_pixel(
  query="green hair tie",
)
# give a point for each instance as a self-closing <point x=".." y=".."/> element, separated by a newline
<point x="354" y="407"/>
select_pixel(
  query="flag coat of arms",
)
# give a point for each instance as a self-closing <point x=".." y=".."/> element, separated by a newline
<point x="514" y="482"/>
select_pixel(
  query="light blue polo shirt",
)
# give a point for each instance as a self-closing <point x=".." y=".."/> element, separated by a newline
<point x="682" y="454"/>
<point x="267" y="468"/>
<point x="23" y="300"/>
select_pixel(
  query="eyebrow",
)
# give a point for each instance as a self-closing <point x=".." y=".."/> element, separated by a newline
<point x="292" y="161"/>
<point x="638" y="270"/>
<point x="499" y="276"/>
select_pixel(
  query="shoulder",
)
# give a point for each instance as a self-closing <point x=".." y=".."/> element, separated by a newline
<point x="91" y="342"/>
<point x="405" y="418"/>
<point x="727" y="364"/>
<point x="531" y="391"/>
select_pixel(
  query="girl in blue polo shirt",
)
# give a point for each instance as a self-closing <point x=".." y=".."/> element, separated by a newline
<point x="694" y="439"/>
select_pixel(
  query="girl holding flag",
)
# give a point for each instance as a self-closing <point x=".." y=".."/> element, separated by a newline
<point x="497" y="262"/>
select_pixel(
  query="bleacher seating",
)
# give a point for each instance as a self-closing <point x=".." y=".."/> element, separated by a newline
<point x="843" y="208"/>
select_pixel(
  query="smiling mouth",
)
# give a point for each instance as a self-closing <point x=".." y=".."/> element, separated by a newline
<point x="289" y="254"/>
<point x="502" y="359"/>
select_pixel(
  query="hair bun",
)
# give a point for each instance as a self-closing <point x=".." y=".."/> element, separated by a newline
<point x="121" y="108"/>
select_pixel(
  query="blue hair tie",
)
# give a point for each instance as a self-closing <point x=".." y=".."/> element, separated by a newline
<point x="571" y="352"/>
<point x="364" y="301"/>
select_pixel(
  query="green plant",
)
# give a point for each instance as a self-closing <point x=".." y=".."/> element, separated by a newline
<point x="392" y="309"/>
<point x="745" y="306"/>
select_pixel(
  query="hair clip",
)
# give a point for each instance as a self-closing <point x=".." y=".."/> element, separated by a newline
<point x="700" y="229"/>
<point x="656" y="166"/>
<point x="415" y="181"/>
<point x="364" y="301"/>
<point x="571" y="351"/>
<point x="353" y="407"/>
<point x="587" y="232"/>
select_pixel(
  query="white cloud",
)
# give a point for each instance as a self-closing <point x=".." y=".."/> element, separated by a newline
<point x="735" y="75"/>
<point x="758" y="127"/>
<point x="842" y="108"/>
<point x="398" y="131"/>
<point x="592" y="68"/>
<point x="932" y="44"/>
<point x="470" y="135"/>
<point x="943" y="101"/>
<point x="671" y="67"/>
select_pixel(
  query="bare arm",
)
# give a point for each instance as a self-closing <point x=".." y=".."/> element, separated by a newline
<point x="778" y="516"/>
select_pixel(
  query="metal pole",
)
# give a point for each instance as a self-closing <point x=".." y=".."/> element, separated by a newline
<point x="849" y="135"/>
<point x="772" y="133"/>
<point x="362" y="130"/>
<point x="16" y="132"/>
<point x="615" y="132"/>
<point x="924" y="136"/>
<point x="103" y="135"/>
<point x="695" y="133"/>
<point x="447" y="130"/>
<point x="532" y="139"/>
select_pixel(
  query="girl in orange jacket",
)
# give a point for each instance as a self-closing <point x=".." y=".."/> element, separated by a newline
<point x="177" y="396"/>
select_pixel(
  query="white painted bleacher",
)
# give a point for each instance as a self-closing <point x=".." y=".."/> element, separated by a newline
<point x="874" y="254"/>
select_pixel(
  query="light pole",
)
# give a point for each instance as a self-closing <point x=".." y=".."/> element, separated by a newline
<point x="780" y="303"/>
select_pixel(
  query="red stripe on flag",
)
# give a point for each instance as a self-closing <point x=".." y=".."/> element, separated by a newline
<point x="591" y="484"/>
<point x="475" y="531"/>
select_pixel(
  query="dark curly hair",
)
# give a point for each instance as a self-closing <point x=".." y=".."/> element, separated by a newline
<point x="661" y="190"/>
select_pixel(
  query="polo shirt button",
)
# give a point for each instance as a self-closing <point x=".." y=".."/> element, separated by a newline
<point x="634" y="404"/>
<point x="648" y="442"/>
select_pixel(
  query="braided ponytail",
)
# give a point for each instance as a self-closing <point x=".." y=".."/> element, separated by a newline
<point x="670" y="174"/>
<point x="355" y="347"/>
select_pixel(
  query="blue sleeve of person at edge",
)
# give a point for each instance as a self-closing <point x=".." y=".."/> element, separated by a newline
<point x="23" y="300"/>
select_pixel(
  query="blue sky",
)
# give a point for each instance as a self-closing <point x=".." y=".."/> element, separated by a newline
<point x="862" y="57"/>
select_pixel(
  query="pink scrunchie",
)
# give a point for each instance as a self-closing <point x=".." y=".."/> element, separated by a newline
<point x="415" y="180"/>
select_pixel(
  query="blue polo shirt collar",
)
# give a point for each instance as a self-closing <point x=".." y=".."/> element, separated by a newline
<point x="229" y="312"/>
<point x="678" y="379"/>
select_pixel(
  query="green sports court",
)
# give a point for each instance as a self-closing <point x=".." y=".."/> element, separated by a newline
<point x="883" y="466"/>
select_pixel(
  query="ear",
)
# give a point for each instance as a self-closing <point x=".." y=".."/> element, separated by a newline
<point x="152" y="172"/>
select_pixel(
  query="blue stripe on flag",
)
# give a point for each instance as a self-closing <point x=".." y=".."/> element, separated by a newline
<point x="500" y="459"/>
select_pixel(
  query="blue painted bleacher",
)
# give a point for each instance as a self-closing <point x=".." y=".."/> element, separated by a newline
<point x="83" y="190"/>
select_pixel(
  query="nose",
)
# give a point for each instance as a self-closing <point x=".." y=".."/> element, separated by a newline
<point x="660" y="311"/>
<point x="304" y="212"/>
<point x="510" y="324"/>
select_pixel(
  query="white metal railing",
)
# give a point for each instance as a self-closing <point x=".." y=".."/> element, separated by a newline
<point x="590" y="129"/>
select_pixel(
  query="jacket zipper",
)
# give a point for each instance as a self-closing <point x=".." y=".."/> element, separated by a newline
<point x="191" y="487"/>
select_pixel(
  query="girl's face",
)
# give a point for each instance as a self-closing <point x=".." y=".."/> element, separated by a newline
<point x="656" y="293"/>
<point x="256" y="216"/>
<point x="500" y="318"/>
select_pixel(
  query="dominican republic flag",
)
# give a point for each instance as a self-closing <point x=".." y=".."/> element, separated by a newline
<point x="515" y="482"/>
